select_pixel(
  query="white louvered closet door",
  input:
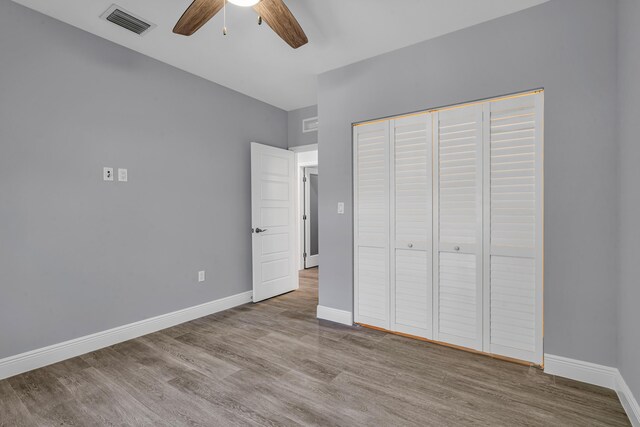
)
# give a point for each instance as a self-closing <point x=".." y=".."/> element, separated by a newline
<point x="411" y="225"/>
<point x="458" y="227"/>
<point x="371" y="223"/>
<point x="513" y="235"/>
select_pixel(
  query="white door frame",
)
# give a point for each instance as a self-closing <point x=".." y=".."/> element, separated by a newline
<point x="309" y="260"/>
<point x="306" y="156"/>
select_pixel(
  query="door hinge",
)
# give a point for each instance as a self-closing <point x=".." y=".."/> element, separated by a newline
<point x="304" y="179"/>
<point x="304" y="255"/>
<point x="304" y="217"/>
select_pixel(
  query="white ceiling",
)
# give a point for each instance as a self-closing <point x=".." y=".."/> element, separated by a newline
<point x="254" y="61"/>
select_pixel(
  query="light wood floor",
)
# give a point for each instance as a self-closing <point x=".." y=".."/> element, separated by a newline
<point x="273" y="363"/>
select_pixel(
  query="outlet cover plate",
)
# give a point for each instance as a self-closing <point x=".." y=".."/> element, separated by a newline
<point x="107" y="174"/>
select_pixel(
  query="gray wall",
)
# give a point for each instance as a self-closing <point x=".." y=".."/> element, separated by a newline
<point x="78" y="255"/>
<point x="629" y="231"/>
<point x="569" y="48"/>
<point x="296" y="136"/>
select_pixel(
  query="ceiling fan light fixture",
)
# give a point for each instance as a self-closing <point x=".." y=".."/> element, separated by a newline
<point x="244" y="3"/>
<point x="273" y="12"/>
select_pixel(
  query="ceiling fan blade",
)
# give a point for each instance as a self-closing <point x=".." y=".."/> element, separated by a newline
<point x="282" y="21"/>
<point x="197" y="15"/>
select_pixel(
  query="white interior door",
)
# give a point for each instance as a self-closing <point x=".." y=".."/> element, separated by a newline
<point x="272" y="221"/>
<point x="458" y="302"/>
<point x="311" y="257"/>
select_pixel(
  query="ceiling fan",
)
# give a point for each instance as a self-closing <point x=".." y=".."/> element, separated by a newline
<point x="274" y="12"/>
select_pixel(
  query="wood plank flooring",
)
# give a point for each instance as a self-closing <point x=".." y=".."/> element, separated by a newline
<point x="274" y="363"/>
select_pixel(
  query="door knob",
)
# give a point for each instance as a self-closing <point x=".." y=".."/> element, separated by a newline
<point x="260" y="230"/>
<point x="456" y="248"/>
<point x="410" y="245"/>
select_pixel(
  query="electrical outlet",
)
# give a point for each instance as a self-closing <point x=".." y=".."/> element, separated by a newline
<point x="201" y="276"/>
<point x="123" y="176"/>
<point x="107" y="174"/>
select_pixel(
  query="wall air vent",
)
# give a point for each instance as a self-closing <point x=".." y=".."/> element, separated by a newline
<point x="310" y="125"/>
<point x="126" y="20"/>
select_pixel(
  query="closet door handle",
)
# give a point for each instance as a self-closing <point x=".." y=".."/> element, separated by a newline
<point x="410" y="245"/>
<point x="456" y="248"/>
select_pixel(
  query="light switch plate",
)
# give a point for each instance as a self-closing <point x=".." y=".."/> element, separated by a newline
<point x="123" y="175"/>
<point x="200" y="276"/>
<point x="341" y="208"/>
<point x="107" y="174"/>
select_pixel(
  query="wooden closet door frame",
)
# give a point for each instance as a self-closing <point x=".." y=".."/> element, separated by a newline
<point x="392" y="222"/>
<point x="540" y="228"/>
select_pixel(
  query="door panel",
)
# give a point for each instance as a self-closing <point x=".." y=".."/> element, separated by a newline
<point x="458" y="186"/>
<point x="458" y="306"/>
<point x="272" y="210"/>
<point x="413" y="299"/>
<point x="513" y="229"/>
<point x="373" y="301"/>
<point x="371" y="223"/>
<point x="411" y="258"/>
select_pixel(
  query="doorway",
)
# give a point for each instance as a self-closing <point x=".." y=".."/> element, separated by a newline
<point x="310" y="217"/>
<point x="306" y="160"/>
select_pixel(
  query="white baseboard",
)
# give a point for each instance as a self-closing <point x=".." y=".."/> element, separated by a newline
<point x="591" y="373"/>
<point x="335" y="315"/>
<point x="38" y="358"/>
<point x="629" y="402"/>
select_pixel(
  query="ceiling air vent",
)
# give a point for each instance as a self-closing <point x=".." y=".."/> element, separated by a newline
<point x="126" y="20"/>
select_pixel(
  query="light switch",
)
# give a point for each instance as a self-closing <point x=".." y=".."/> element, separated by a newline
<point x="122" y="175"/>
<point x="107" y="174"/>
<point x="341" y="208"/>
<point x="200" y="276"/>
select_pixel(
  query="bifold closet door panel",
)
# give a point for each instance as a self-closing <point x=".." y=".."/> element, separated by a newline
<point x="411" y="225"/>
<point x="513" y="231"/>
<point x="448" y="230"/>
<point x="371" y="223"/>
<point x="458" y="226"/>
